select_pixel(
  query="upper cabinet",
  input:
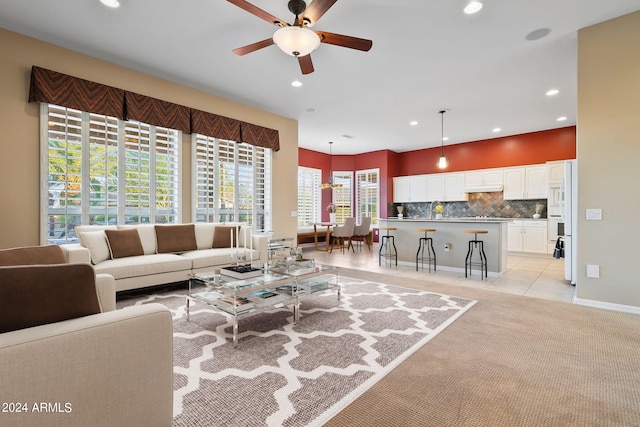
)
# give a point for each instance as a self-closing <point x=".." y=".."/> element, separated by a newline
<point x="410" y="189"/>
<point x="454" y="187"/>
<point x="525" y="182"/>
<point x="485" y="178"/>
<point x="435" y="187"/>
<point x="555" y="173"/>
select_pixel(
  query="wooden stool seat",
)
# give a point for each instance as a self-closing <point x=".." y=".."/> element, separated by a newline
<point x="426" y="242"/>
<point x="476" y="231"/>
<point x="387" y="228"/>
<point x="475" y="243"/>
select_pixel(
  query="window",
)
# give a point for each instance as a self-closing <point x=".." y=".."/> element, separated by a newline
<point x="309" y="195"/>
<point x="368" y="194"/>
<point x="232" y="182"/>
<point x="342" y="197"/>
<point x="102" y="170"/>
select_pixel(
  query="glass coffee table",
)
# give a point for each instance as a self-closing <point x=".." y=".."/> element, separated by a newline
<point x="278" y="286"/>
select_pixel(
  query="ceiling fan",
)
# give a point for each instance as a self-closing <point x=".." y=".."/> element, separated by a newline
<point x="297" y="39"/>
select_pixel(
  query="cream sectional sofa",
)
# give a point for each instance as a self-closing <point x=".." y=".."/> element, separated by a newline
<point x="158" y="264"/>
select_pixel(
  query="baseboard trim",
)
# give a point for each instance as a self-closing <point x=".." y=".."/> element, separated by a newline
<point x="607" y="305"/>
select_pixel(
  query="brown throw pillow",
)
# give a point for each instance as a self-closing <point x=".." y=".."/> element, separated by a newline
<point x="222" y="236"/>
<point x="39" y="294"/>
<point x="124" y="243"/>
<point x="176" y="238"/>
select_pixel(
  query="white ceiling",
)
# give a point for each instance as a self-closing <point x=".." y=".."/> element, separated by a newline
<point x="427" y="55"/>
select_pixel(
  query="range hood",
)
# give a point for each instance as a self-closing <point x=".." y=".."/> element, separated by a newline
<point x="484" y="189"/>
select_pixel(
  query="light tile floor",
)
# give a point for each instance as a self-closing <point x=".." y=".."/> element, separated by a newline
<point x="530" y="275"/>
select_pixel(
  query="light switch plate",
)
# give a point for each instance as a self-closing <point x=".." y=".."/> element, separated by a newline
<point x="294" y="214"/>
<point x="594" y="214"/>
<point x="593" y="271"/>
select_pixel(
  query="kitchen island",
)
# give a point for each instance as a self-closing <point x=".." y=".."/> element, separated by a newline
<point x="451" y="231"/>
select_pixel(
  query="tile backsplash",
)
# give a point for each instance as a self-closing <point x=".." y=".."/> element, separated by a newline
<point x="479" y="204"/>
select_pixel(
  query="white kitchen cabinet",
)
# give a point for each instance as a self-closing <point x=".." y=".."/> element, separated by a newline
<point x="527" y="236"/>
<point x="484" y="178"/>
<point x="435" y="187"/>
<point x="454" y="187"/>
<point x="410" y="189"/>
<point x="555" y="173"/>
<point x="446" y="187"/>
<point x="525" y="182"/>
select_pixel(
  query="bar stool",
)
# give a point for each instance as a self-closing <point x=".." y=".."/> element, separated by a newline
<point x="384" y="243"/>
<point x="483" y="257"/>
<point x="426" y="242"/>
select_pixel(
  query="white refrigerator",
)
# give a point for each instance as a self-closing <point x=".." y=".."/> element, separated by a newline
<point x="569" y="210"/>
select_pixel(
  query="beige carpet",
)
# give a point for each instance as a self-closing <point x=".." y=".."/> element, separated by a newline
<point x="511" y="361"/>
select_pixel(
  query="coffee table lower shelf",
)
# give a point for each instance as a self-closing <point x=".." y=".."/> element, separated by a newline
<point x="257" y="294"/>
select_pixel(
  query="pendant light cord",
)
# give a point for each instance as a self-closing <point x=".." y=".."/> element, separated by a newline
<point x="442" y="133"/>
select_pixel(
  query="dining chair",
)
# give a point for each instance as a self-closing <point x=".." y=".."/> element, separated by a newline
<point x="342" y="233"/>
<point x="361" y="232"/>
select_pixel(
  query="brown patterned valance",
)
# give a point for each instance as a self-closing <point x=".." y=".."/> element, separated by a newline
<point x="214" y="125"/>
<point x="71" y="92"/>
<point x="156" y="112"/>
<point x="260" y="136"/>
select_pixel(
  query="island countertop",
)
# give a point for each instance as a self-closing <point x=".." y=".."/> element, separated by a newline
<point x="451" y="231"/>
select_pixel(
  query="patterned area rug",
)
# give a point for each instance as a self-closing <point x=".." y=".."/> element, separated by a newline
<point x="283" y="374"/>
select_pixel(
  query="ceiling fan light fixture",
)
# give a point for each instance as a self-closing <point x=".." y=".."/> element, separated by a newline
<point x="110" y="3"/>
<point x="296" y="41"/>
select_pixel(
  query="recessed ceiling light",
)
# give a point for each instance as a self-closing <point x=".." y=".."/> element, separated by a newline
<point x="296" y="83"/>
<point x="561" y="119"/>
<point x="413" y="123"/>
<point x="446" y="138"/>
<point x="538" y="34"/>
<point x="472" y="7"/>
<point x="310" y="110"/>
<point x="552" y="92"/>
<point x="110" y="3"/>
<point x="497" y="129"/>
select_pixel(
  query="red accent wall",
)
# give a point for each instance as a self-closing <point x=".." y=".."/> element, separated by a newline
<point x="516" y="150"/>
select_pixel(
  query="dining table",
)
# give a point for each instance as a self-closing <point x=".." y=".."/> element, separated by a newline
<point x="327" y="230"/>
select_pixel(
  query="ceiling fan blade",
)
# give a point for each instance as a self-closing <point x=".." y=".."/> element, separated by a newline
<point x="306" y="65"/>
<point x="252" y="47"/>
<point x="255" y="10"/>
<point x="345" y="41"/>
<point x="316" y="9"/>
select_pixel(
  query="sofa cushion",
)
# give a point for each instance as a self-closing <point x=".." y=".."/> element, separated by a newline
<point x="176" y="238"/>
<point x="204" y="234"/>
<point x="39" y="294"/>
<point x="213" y="258"/>
<point x="30" y="255"/>
<point x="124" y="243"/>
<point x="147" y="233"/>
<point x="143" y="265"/>
<point x="96" y="243"/>
<point x="225" y="236"/>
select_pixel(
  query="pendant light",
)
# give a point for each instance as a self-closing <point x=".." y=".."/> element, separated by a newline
<point x="443" y="161"/>
<point x="330" y="183"/>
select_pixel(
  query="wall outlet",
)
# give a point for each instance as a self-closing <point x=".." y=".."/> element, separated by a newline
<point x="447" y="247"/>
<point x="593" y="271"/>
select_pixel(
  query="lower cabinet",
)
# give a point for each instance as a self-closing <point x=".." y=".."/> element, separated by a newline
<point x="527" y="236"/>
